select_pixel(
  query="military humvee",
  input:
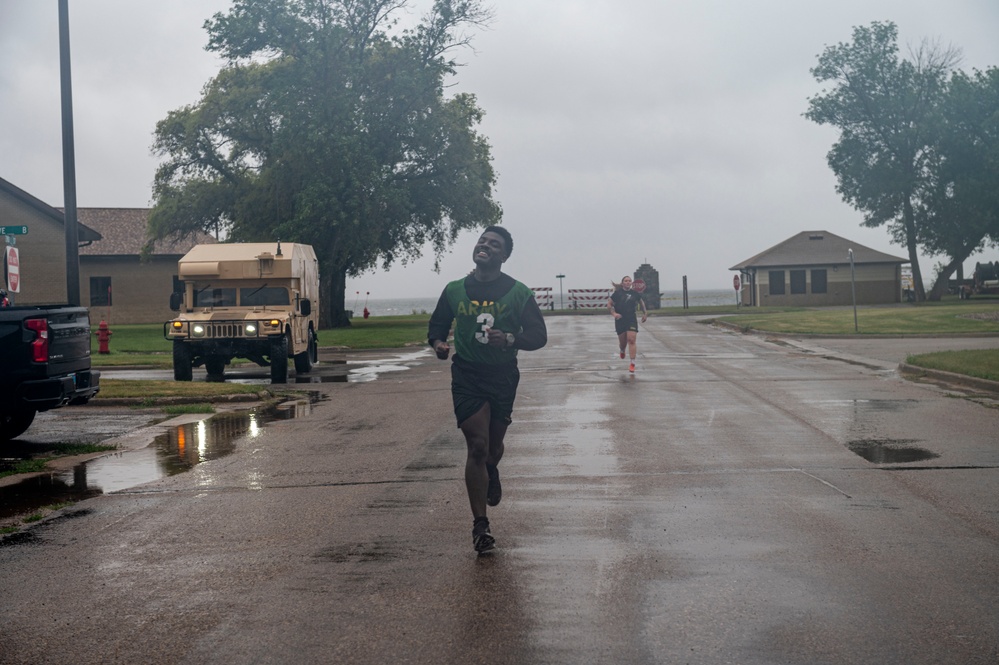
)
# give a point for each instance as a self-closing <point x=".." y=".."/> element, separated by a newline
<point x="245" y="300"/>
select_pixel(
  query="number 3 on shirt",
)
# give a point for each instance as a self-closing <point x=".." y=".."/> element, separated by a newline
<point x="486" y="320"/>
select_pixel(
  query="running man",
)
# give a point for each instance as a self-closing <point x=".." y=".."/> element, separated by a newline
<point x="494" y="317"/>
<point x="624" y="305"/>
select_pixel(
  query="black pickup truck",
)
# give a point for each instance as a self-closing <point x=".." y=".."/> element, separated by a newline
<point x="44" y="363"/>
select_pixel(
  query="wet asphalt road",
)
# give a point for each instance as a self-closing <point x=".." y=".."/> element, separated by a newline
<point x="714" y="508"/>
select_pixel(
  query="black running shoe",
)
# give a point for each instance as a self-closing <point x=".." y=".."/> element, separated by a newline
<point x="482" y="540"/>
<point x="495" y="491"/>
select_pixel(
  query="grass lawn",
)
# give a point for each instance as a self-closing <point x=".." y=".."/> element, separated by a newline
<point x="983" y="364"/>
<point x="379" y="332"/>
<point x="115" y="388"/>
<point x="953" y="317"/>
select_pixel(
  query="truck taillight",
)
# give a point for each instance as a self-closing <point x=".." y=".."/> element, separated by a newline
<point x="39" y="345"/>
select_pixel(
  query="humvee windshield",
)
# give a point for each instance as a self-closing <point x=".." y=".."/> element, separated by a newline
<point x="209" y="297"/>
<point x="263" y="295"/>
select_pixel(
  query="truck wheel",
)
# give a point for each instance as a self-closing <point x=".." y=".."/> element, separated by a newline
<point x="181" y="361"/>
<point x="279" y="359"/>
<point x="306" y="359"/>
<point x="215" y="366"/>
<point x="13" y="425"/>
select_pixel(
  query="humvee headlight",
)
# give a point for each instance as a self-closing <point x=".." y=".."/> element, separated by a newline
<point x="250" y="330"/>
<point x="275" y="323"/>
<point x="177" y="325"/>
<point x="198" y="330"/>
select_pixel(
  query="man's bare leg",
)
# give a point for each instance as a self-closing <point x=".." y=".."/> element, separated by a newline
<point x="476" y="431"/>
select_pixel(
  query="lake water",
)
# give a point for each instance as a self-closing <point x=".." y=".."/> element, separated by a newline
<point x="396" y="307"/>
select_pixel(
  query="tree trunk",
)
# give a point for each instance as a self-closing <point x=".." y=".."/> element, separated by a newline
<point x="910" y="240"/>
<point x="334" y="286"/>
<point x="942" y="281"/>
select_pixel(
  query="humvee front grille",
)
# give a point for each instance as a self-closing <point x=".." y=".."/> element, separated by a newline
<point x="224" y="330"/>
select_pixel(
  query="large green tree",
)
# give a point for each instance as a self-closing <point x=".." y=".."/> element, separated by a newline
<point x="330" y="126"/>
<point x="963" y="211"/>
<point x="884" y="107"/>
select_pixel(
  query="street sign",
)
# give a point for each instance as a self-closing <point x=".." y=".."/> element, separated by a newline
<point x="12" y="270"/>
<point x="735" y="282"/>
<point x="638" y="285"/>
<point x="13" y="230"/>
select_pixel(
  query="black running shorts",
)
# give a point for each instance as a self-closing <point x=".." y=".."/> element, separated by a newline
<point x="626" y="324"/>
<point x="474" y="385"/>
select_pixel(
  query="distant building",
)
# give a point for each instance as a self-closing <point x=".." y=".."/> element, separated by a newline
<point x="812" y="269"/>
<point x="42" y="250"/>
<point x="116" y="282"/>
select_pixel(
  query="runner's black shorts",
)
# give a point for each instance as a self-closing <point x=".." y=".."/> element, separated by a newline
<point x="626" y="324"/>
<point x="472" y="385"/>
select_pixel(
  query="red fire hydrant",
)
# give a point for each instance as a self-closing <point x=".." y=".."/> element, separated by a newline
<point x="103" y="337"/>
<point x="366" y="313"/>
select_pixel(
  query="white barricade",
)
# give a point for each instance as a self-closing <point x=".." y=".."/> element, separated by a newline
<point x="589" y="298"/>
<point x="543" y="295"/>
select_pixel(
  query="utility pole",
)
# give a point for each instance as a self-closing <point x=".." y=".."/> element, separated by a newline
<point x="68" y="162"/>
<point x="853" y="290"/>
<point x="561" y="303"/>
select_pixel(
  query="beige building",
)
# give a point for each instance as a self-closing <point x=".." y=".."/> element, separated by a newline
<point x="812" y="269"/>
<point x="42" y="250"/>
<point x="117" y="283"/>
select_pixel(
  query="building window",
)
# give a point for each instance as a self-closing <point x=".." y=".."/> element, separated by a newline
<point x="100" y="291"/>
<point x="776" y="282"/>
<point x="798" y="281"/>
<point x="819" y="281"/>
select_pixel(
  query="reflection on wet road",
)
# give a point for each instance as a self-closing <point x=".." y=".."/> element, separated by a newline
<point x="178" y="450"/>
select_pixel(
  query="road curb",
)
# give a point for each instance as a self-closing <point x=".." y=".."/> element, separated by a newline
<point x="905" y="369"/>
<point x="949" y="377"/>
<point x="770" y="333"/>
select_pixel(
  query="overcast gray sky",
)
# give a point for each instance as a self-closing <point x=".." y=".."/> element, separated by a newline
<point x="623" y="131"/>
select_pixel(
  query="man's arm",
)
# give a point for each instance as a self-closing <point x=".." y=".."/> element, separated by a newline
<point x="534" y="332"/>
<point x="440" y="326"/>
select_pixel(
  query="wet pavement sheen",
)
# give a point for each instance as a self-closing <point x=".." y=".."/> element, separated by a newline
<point x="735" y="500"/>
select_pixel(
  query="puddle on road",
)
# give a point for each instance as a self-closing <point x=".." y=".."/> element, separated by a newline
<point x="890" y="451"/>
<point x="176" y="451"/>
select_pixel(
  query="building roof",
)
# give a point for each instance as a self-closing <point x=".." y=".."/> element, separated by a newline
<point x="124" y="233"/>
<point x="84" y="233"/>
<point x="816" y="248"/>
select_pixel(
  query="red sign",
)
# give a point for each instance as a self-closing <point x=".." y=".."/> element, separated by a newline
<point x="638" y="285"/>
<point x="12" y="268"/>
<point x="735" y="282"/>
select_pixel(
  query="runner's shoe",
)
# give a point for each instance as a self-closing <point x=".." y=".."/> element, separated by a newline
<point x="622" y="355"/>
<point x="631" y="368"/>
<point x="482" y="540"/>
<point x="495" y="491"/>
